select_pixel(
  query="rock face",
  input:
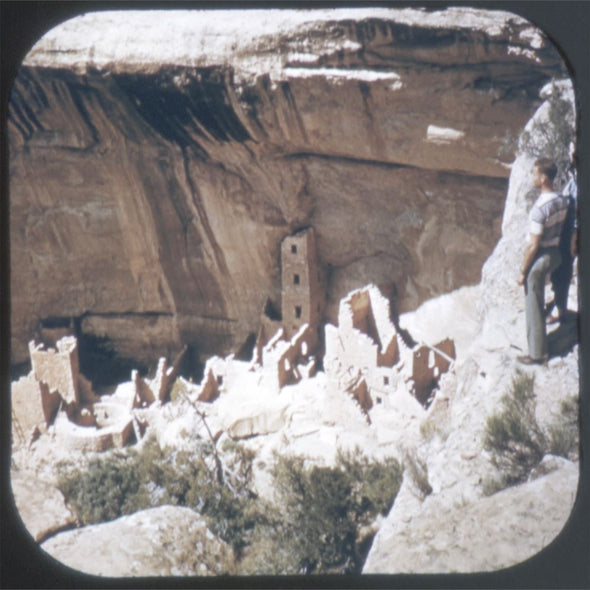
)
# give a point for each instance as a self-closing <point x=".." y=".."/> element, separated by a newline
<point x="40" y="505"/>
<point x="164" y="541"/>
<point x="473" y="537"/>
<point x="455" y="527"/>
<point x="152" y="181"/>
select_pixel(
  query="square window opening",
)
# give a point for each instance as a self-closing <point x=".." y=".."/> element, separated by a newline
<point x="293" y="248"/>
<point x="298" y="311"/>
<point x="296" y="279"/>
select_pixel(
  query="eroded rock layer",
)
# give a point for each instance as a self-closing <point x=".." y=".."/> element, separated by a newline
<point x="154" y="174"/>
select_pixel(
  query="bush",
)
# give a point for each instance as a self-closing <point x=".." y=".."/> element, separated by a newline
<point x="516" y="441"/>
<point x="325" y="510"/>
<point x="104" y="489"/>
<point x="513" y="436"/>
<point x="493" y="483"/>
<point x="418" y="473"/>
<point x="121" y="483"/>
<point x="323" y="524"/>
<point x="564" y="433"/>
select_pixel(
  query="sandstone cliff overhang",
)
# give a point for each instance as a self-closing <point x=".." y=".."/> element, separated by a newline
<point x="197" y="38"/>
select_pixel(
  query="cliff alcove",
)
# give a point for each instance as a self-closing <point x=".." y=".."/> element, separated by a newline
<point x="151" y="182"/>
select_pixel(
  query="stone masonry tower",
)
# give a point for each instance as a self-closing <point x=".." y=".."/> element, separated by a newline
<point x="302" y="285"/>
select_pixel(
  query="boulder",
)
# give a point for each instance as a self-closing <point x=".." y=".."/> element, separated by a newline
<point x="486" y="534"/>
<point x="40" y="505"/>
<point x="164" y="541"/>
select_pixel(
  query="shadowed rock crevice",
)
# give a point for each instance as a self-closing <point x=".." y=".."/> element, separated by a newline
<point x="183" y="103"/>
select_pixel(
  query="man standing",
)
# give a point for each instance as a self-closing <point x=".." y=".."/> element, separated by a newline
<point x="541" y="257"/>
<point x="562" y="276"/>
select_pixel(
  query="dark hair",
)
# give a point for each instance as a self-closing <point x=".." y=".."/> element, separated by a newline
<point x="547" y="167"/>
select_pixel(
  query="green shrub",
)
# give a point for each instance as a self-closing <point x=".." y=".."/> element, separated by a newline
<point x="564" y="433"/>
<point x="418" y="472"/>
<point x="121" y="483"/>
<point x="270" y="550"/>
<point x="324" y="509"/>
<point x="493" y="483"/>
<point x="513" y="436"/>
<point x="103" y="489"/>
<point x="319" y="524"/>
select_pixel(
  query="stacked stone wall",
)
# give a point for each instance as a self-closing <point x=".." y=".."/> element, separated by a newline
<point x="302" y="286"/>
<point x="34" y="406"/>
<point x="58" y="368"/>
<point x="428" y="365"/>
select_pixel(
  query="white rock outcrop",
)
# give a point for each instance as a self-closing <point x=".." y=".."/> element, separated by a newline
<point x="487" y="534"/>
<point x="40" y="505"/>
<point x="430" y="534"/>
<point x="164" y="541"/>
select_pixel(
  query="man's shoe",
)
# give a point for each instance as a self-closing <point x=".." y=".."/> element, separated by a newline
<point x="527" y="360"/>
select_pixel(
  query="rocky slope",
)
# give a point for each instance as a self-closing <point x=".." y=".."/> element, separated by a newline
<point x="158" y="159"/>
<point x="452" y="446"/>
<point x="164" y="541"/>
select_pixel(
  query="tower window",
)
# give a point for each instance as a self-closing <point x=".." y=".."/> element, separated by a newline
<point x="293" y="249"/>
<point x="298" y="311"/>
<point x="295" y="279"/>
<point x="385" y="380"/>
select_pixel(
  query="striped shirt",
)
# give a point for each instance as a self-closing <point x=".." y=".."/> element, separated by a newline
<point x="547" y="217"/>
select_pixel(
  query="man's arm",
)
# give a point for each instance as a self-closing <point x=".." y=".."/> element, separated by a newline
<point x="529" y="255"/>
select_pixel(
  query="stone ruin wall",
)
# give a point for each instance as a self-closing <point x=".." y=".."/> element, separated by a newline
<point x="267" y="329"/>
<point x="428" y="365"/>
<point x="58" y="368"/>
<point x="96" y="440"/>
<point x="366" y="337"/>
<point x="34" y="407"/>
<point x="87" y="422"/>
<point x="294" y="351"/>
<point x="354" y="351"/>
<point x="302" y="291"/>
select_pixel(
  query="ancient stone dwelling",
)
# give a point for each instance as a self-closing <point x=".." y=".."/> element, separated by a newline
<point x="59" y="368"/>
<point x="56" y="395"/>
<point x="364" y="353"/>
<point x="302" y="288"/>
<point x="363" y="356"/>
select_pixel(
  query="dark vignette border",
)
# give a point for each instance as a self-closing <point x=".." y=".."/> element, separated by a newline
<point x="563" y="564"/>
